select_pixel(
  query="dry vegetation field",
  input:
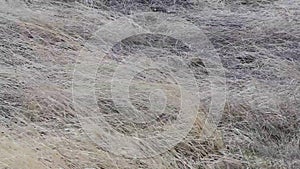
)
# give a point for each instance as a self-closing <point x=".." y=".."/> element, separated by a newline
<point x="257" y="42"/>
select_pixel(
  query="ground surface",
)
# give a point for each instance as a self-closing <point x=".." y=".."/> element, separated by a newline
<point x="258" y="45"/>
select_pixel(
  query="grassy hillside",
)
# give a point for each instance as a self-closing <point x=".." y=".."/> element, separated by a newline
<point x="42" y="44"/>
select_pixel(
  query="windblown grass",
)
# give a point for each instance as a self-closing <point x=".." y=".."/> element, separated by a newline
<point x="257" y="41"/>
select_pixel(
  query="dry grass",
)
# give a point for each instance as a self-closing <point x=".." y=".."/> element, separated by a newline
<point x="257" y="41"/>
